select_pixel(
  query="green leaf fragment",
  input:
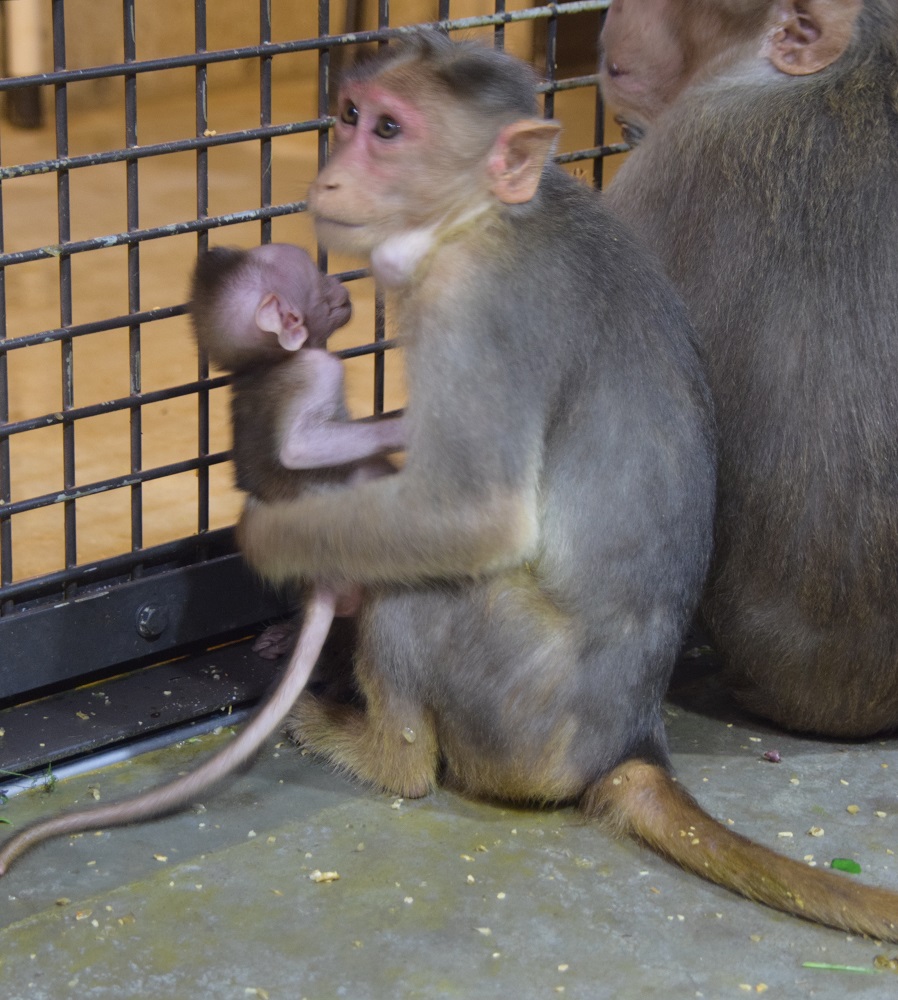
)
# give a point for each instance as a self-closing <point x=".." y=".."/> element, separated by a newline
<point x="827" y="967"/>
<point x="846" y="865"/>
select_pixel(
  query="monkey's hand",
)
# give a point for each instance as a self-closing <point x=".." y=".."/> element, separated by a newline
<point x="327" y="310"/>
<point x="321" y="444"/>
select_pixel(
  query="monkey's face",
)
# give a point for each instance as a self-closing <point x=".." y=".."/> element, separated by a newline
<point x="652" y="50"/>
<point x="642" y="67"/>
<point x="399" y="164"/>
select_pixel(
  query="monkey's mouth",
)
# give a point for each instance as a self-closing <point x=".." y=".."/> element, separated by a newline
<point x="348" y="237"/>
<point x="632" y="133"/>
<point x="324" y="220"/>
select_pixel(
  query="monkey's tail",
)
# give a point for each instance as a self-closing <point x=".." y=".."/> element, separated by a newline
<point x="184" y="790"/>
<point x="643" y="801"/>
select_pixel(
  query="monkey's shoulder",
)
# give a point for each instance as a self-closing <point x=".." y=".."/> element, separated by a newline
<point x="574" y="223"/>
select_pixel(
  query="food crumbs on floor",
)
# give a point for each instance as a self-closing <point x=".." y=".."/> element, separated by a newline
<point x="319" y="876"/>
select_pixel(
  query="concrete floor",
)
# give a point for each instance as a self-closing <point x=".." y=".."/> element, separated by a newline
<point x="442" y="897"/>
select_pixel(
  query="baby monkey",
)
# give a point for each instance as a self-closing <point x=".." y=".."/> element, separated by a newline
<point x="265" y="315"/>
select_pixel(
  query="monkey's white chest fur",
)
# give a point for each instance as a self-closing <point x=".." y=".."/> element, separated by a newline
<point x="395" y="261"/>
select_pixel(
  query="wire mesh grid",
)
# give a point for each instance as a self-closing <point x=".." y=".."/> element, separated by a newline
<point x="113" y="435"/>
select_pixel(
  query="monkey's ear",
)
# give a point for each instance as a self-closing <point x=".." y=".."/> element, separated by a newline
<point x="518" y="157"/>
<point x="275" y="316"/>
<point x="808" y="35"/>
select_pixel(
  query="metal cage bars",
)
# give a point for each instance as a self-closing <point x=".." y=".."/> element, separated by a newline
<point x="65" y="582"/>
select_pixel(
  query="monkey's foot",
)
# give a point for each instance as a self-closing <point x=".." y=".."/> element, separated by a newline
<point x="400" y="759"/>
<point x="275" y="641"/>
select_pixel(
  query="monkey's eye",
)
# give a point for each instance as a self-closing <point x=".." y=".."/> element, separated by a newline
<point x="387" y="128"/>
<point x="349" y="114"/>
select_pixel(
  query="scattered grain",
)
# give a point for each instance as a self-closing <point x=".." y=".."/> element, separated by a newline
<point x="319" y="876"/>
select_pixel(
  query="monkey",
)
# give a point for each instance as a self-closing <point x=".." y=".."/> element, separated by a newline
<point x="532" y="567"/>
<point x="264" y="315"/>
<point x="767" y="179"/>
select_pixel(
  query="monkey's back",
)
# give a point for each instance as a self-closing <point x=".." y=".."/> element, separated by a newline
<point x="776" y="212"/>
<point x="629" y="441"/>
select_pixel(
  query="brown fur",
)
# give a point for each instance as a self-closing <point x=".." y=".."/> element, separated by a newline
<point x="772" y="196"/>
<point x="642" y="801"/>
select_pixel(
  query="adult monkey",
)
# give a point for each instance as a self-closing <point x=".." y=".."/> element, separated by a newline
<point x="768" y="181"/>
<point x="536" y="559"/>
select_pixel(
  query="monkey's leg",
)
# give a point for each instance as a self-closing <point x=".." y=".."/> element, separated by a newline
<point x="393" y="746"/>
<point x="391" y="742"/>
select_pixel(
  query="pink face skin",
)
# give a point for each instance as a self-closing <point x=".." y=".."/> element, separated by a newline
<point x="410" y="158"/>
<point x="303" y="295"/>
<point x="393" y="170"/>
<point x="378" y="137"/>
<point x="278" y="301"/>
<point x="642" y="68"/>
<point x="378" y="126"/>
